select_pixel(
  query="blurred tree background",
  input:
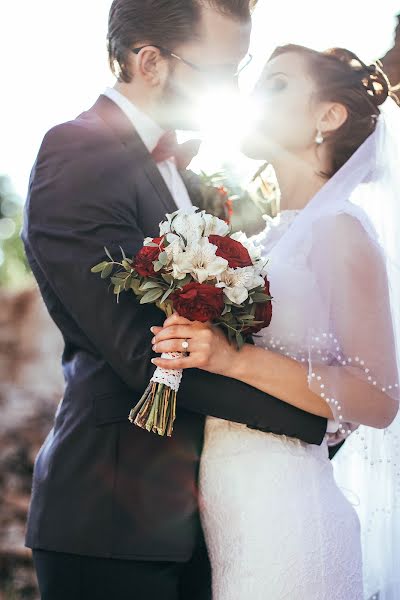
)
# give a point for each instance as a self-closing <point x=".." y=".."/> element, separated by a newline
<point x="14" y="270"/>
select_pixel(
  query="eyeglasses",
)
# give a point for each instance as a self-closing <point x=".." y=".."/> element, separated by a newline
<point x="213" y="70"/>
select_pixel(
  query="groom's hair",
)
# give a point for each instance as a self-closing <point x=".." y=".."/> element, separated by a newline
<point x="165" y="23"/>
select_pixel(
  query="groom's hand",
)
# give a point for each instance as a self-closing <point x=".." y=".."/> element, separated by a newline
<point x="207" y="346"/>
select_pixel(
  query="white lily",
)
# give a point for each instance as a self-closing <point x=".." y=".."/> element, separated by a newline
<point x="237" y="283"/>
<point x="201" y="261"/>
<point x="189" y="226"/>
<point x="215" y="226"/>
<point x="167" y="226"/>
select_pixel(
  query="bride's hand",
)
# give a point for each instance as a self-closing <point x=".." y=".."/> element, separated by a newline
<point x="209" y="349"/>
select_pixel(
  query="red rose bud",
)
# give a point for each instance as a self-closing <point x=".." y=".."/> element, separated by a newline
<point x="199" y="302"/>
<point x="143" y="261"/>
<point x="234" y="252"/>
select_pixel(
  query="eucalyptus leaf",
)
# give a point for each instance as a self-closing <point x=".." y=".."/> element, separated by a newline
<point x="108" y="253"/>
<point x="106" y="272"/>
<point x="123" y="253"/>
<point x="185" y="281"/>
<point x="227" y="309"/>
<point x="166" y="295"/>
<point x="261" y="298"/>
<point x="148" y="285"/>
<point x="157" y="266"/>
<point x="167" y="278"/>
<point x="163" y="258"/>
<point x="151" y="296"/>
<point x="127" y="264"/>
<point x="239" y="340"/>
<point x="116" y="280"/>
<point x="99" y="268"/>
<point x="135" y="286"/>
<point x="128" y="282"/>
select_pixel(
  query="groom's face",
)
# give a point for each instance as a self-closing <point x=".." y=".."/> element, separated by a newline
<point x="218" y="46"/>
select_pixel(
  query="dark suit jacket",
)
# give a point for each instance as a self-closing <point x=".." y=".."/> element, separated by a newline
<point x="101" y="486"/>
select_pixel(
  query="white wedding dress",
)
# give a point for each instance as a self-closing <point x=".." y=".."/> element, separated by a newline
<point x="277" y="526"/>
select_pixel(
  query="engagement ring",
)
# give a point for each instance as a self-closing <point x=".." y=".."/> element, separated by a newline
<point x="185" y="346"/>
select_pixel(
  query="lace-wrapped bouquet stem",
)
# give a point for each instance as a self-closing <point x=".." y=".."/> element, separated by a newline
<point x="200" y="271"/>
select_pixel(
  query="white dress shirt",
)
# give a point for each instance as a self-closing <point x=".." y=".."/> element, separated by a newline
<point x="150" y="134"/>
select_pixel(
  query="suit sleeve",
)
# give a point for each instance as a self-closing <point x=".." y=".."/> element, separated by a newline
<point x="78" y="204"/>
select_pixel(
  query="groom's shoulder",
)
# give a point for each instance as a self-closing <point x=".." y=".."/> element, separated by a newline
<point x="80" y="134"/>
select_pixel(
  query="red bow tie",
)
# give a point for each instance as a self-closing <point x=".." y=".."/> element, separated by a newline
<point x="168" y="147"/>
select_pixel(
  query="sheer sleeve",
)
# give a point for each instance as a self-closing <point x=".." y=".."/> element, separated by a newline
<point x="351" y="347"/>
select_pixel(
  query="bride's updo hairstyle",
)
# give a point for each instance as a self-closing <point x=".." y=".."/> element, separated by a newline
<point x="342" y="77"/>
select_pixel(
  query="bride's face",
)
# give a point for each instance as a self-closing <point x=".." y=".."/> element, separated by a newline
<point x="285" y="98"/>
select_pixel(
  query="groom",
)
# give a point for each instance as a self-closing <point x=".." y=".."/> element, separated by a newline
<point x="114" y="510"/>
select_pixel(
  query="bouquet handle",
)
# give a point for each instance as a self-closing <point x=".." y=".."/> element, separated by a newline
<point x="156" y="410"/>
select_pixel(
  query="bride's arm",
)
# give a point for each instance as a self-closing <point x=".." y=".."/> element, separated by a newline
<point x="210" y="351"/>
<point x="268" y="371"/>
<point x="361" y="314"/>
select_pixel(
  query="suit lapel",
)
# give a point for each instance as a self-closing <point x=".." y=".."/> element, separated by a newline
<point x="158" y="183"/>
<point x="114" y="117"/>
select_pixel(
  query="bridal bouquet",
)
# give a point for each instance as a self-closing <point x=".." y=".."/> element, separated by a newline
<point x="200" y="271"/>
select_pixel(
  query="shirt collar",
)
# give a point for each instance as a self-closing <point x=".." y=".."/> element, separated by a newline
<point x="147" y="129"/>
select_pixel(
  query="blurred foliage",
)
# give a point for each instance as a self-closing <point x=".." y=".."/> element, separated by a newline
<point x="14" y="269"/>
<point x="251" y="201"/>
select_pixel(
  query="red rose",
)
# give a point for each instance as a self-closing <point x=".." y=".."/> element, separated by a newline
<point x="143" y="262"/>
<point x="234" y="252"/>
<point x="199" y="302"/>
<point x="263" y="312"/>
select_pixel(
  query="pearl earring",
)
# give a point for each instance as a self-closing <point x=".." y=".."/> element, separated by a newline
<point x="319" y="138"/>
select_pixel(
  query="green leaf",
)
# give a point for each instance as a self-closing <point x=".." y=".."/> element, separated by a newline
<point x="98" y="268"/>
<point x="135" y="286"/>
<point x="260" y="298"/>
<point x="163" y="258"/>
<point x="185" y="281"/>
<point x="118" y="278"/>
<point x="115" y="280"/>
<point x="108" y="253"/>
<point x="127" y="283"/>
<point x="157" y="266"/>
<point x="166" y="295"/>
<point x="127" y="264"/>
<point x="123" y="253"/>
<point x="148" y="285"/>
<point x="239" y="340"/>
<point x="117" y="289"/>
<point x="108" y="269"/>
<point x="167" y="278"/>
<point x="151" y="296"/>
<point x="227" y="309"/>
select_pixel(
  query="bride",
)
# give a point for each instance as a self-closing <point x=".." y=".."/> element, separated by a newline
<point x="277" y="526"/>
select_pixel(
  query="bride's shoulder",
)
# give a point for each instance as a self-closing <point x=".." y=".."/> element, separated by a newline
<point x="350" y="233"/>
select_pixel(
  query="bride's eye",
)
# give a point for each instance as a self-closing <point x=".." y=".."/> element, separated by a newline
<point x="276" y="84"/>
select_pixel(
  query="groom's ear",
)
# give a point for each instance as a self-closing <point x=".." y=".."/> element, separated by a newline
<point x="152" y="66"/>
<point x="333" y="116"/>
